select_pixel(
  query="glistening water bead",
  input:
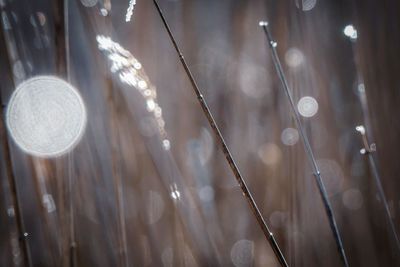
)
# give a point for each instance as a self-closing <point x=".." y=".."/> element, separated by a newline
<point x="350" y="32"/>
<point x="46" y="116"/>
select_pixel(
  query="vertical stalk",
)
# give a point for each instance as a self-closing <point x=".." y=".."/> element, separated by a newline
<point x="366" y="133"/>
<point x="23" y="235"/>
<point x="116" y="171"/>
<point x="64" y="70"/>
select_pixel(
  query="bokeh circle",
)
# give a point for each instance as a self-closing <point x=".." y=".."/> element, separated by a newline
<point x="46" y="116"/>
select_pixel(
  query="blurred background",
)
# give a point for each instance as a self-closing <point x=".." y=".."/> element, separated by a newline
<point x="153" y="188"/>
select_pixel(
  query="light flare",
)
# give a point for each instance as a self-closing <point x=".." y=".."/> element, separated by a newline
<point x="130" y="72"/>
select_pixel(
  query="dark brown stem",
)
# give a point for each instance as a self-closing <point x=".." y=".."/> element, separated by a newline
<point x="23" y="235"/>
<point x="10" y="173"/>
<point x="245" y="190"/>
<point x="320" y="184"/>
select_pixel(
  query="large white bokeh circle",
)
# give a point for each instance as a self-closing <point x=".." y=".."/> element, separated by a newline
<point x="46" y="116"/>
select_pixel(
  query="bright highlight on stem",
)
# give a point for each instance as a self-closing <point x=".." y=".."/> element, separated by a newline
<point x="130" y="72"/>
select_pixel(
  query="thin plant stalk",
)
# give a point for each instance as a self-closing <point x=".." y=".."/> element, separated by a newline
<point x="23" y="235"/>
<point x="370" y="148"/>
<point x="245" y="190"/>
<point x="64" y="69"/>
<point x="382" y="196"/>
<point x="321" y="187"/>
<point x="116" y="170"/>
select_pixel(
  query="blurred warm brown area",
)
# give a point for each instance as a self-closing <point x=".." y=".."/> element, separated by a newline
<point x="121" y="198"/>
